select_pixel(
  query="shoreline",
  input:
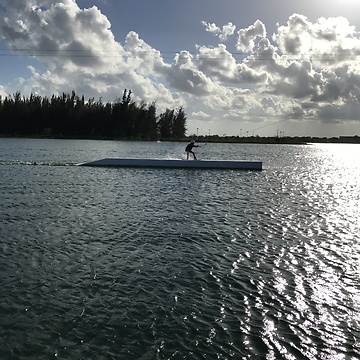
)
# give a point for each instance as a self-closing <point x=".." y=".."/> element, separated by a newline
<point x="287" y="140"/>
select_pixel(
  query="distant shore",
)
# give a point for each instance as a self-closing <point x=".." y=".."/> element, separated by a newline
<point x="278" y="140"/>
<point x="295" y="140"/>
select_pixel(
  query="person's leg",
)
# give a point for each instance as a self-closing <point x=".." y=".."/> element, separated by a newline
<point x="187" y="155"/>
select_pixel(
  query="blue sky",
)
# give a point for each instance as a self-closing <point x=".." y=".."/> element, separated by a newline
<point x="237" y="67"/>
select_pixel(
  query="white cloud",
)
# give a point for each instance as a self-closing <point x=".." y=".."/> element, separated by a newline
<point x="201" y="115"/>
<point x="185" y="76"/>
<point x="3" y="93"/>
<point x="306" y="70"/>
<point x="223" y="33"/>
<point x="326" y="43"/>
<point x="247" y="37"/>
<point x="143" y="57"/>
<point x="217" y="61"/>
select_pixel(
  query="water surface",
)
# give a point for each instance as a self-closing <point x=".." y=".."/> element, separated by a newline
<point x="179" y="263"/>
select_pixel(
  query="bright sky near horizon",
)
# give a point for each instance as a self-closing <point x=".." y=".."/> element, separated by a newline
<point x="237" y="67"/>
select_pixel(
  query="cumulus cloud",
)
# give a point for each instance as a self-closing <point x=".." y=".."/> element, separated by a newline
<point x="217" y="61"/>
<point x="247" y="37"/>
<point x="223" y="33"/>
<point x="64" y="38"/>
<point x="79" y="51"/>
<point x="331" y="39"/>
<point x="317" y="61"/>
<point x="185" y="76"/>
<point x="305" y="70"/>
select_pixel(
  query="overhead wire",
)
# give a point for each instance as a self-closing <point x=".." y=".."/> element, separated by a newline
<point x="19" y="52"/>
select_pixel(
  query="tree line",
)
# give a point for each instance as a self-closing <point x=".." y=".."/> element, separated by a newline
<point x="69" y="115"/>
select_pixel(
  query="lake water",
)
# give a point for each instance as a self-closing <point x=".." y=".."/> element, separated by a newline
<point x="110" y="263"/>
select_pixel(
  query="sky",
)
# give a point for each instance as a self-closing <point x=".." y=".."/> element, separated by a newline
<point x="237" y="67"/>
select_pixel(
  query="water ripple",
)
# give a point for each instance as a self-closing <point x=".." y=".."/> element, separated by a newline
<point x="147" y="264"/>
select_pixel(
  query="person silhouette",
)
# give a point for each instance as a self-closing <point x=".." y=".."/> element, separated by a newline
<point x="189" y="148"/>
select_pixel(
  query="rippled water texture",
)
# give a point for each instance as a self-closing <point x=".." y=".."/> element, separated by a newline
<point x="100" y="263"/>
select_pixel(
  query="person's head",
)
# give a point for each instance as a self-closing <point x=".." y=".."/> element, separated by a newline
<point x="192" y="141"/>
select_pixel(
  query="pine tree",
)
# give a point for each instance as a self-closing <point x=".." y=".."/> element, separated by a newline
<point x="179" y="124"/>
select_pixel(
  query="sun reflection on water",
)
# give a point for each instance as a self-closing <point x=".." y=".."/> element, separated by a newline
<point x="317" y="271"/>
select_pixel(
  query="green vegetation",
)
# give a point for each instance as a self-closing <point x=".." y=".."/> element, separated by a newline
<point x="71" y="117"/>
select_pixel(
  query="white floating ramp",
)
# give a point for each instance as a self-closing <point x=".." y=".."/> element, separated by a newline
<point x="182" y="164"/>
